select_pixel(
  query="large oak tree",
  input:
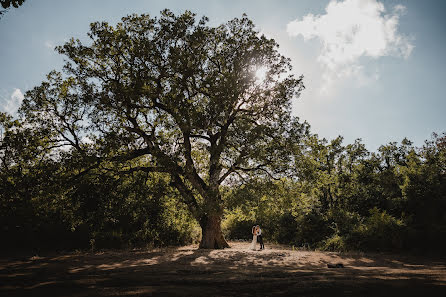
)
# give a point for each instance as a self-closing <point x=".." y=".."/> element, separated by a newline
<point x="176" y="96"/>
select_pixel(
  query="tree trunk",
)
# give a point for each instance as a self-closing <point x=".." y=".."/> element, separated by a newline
<point x="212" y="237"/>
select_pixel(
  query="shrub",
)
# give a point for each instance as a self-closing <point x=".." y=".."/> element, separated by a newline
<point x="236" y="225"/>
<point x="380" y="232"/>
<point x="334" y="243"/>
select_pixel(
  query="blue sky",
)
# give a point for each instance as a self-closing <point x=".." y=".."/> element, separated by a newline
<point x="374" y="69"/>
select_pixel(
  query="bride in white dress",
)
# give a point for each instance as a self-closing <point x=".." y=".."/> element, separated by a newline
<point x="254" y="239"/>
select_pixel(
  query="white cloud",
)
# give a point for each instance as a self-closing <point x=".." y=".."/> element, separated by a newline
<point x="401" y="9"/>
<point x="49" y="44"/>
<point x="13" y="103"/>
<point x="350" y="30"/>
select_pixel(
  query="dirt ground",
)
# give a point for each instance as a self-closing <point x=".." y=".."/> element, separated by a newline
<point x="188" y="271"/>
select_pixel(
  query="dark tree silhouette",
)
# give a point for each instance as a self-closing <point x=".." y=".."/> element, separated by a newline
<point x="175" y="96"/>
<point x="6" y="4"/>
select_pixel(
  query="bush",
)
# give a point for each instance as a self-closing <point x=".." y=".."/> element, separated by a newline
<point x="379" y="232"/>
<point x="342" y="221"/>
<point x="334" y="243"/>
<point x="312" y="228"/>
<point x="237" y="226"/>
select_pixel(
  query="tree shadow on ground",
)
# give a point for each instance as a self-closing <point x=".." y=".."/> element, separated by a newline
<point x="188" y="271"/>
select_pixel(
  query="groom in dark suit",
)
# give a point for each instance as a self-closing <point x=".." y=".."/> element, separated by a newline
<point x="259" y="237"/>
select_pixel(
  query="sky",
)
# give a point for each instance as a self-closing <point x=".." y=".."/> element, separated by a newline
<point x="373" y="69"/>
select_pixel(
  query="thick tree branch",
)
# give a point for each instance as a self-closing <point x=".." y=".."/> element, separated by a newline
<point x="148" y="169"/>
<point x="186" y="194"/>
<point x="191" y="171"/>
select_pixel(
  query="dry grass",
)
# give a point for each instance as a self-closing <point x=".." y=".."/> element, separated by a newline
<point x="188" y="271"/>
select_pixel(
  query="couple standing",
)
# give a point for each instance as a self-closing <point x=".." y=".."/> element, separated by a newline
<point x="256" y="236"/>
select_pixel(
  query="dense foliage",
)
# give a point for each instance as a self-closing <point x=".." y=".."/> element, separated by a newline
<point x="174" y="96"/>
<point x="340" y="197"/>
<point x="6" y="5"/>
<point x="160" y="127"/>
<point x="346" y="198"/>
<point x="48" y="202"/>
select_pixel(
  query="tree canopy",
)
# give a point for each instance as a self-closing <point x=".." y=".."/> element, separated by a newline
<point x="6" y="4"/>
<point x="173" y="95"/>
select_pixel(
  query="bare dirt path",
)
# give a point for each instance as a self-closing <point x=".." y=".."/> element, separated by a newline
<point x="187" y="271"/>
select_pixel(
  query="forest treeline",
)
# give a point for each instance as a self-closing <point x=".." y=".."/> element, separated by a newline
<point x="337" y="197"/>
<point x="343" y="197"/>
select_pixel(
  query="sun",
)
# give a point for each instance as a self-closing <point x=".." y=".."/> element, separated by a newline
<point x="261" y="73"/>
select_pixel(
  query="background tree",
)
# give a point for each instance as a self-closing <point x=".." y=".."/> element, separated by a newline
<point x="6" y="4"/>
<point x="46" y="204"/>
<point x="174" y="96"/>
